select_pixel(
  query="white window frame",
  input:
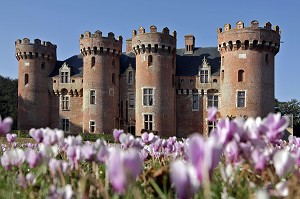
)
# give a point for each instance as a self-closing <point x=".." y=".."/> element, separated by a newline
<point x="65" y="124"/>
<point x="65" y="102"/>
<point x="64" y="77"/>
<point x="148" y="121"/>
<point x="92" y="125"/>
<point x="207" y="125"/>
<point x="203" y="70"/>
<point x="148" y="96"/>
<point x="129" y="100"/>
<point x="92" y="96"/>
<point x="213" y="100"/>
<point x="196" y="103"/>
<point x="245" y="99"/>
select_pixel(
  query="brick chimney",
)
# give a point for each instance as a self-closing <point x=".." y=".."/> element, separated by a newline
<point x="189" y="44"/>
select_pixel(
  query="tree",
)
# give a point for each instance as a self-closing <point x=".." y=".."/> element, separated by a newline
<point x="9" y="98"/>
<point x="291" y="107"/>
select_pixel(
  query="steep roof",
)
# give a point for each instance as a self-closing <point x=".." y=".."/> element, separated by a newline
<point x="186" y="64"/>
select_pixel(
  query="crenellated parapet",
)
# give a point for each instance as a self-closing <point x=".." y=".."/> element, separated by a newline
<point x="26" y="50"/>
<point x="249" y="38"/>
<point x="93" y="44"/>
<point x="153" y="41"/>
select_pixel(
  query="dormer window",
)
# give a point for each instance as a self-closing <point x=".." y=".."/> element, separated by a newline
<point x="204" y="72"/>
<point x="64" y="73"/>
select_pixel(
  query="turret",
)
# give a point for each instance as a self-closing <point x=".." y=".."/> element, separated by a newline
<point x="247" y="68"/>
<point x="155" y="86"/>
<point x="100" y="81"/>
<point x="36" y="61"/>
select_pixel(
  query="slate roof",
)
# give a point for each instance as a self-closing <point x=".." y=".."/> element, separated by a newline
<point x="186" y="64"/>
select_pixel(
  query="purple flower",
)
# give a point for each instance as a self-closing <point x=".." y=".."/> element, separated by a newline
<point x="54" y="165"/>
<point x="149" y="138"/>
<point x="284" y="163"/>
<point x="88" y="152"/>
<point x="274" y="125"/>
<point x="212" y="114"/>
<point x="232" y="152"/>
<point x="117" y="134"/>
<point x="32" y="157"/>
<point x="123" y="167"/>
<point x="5" y="125"/>
<point x="11" y="137"/>
<point x="37" y="135"/>
<point x="30" y="178"/>
<point x="183" y="176"/>
<point x="259" y="159"/>
<point x="13" y="157"/>
<point x="225" y="130"/>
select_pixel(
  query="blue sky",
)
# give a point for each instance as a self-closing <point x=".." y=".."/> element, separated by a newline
<point x="62" y="21"/>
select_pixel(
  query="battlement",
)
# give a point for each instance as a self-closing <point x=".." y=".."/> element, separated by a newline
<point x="249" y="38"/>
<point x="97" y="44"/>
<point x="153" y="41"/>
<point x="38" y="49"/>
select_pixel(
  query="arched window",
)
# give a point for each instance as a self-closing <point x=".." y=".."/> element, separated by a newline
<point x="150" y="60"/>
<point x="93" y="61"/>
<point x="241" y="76"/>
<point x="26" y="79"/>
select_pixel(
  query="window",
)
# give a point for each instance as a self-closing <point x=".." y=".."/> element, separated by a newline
<point x="92" y="126"/>
<point x="241" y="99"/>
<point x="195" y="101"/>
<point x="210" y="126"/>
<point x="204" y="76"/>
<point x="65" y="123"/>
<point x="130" y="77"/>
<point x="64" y="77"/>
<point x="240" y="75"/>
<point x="222" y="61"/>
<point x="93" y="62"/>
<point x="92" y="97"/>
<point x="148" y="121"/>
<point x="267" y="58"/>
<point x="150" y="60"/>
<point x="131" y="100"/>
<point x="113" y="78"/>
<point x="26" y="79"/>
<point x="148" y="96"/>
<point x="43" y="65"/>
<point x="222" y="75"/>
<point x="213" y="101"/>
<point x="65" y="102"/>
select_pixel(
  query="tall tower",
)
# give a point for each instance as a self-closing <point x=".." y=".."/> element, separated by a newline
<point x="155" y="87"/>
<point x="247" y="68"/>
<point x="36" y="61"/>
<point x="101" y="68"/>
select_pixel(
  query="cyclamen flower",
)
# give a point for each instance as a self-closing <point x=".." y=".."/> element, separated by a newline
<point x="117" y="134"/>
<point x="225" y="130"/>
<point x="183" y="176"/>
<point x="13" y="157"/>
<point x="149" y="138"/>
<point x="88" y="152"/>
<point x="212" y="114"/>
<point x="123" y="167"/>
<point x="5" y="125"/>
<point x="36" y="134"/>
<point x="32" y="157"/>
<point x="284" y="163"/>
<point x="30" y="178"/>
<point x="11" y="137"/>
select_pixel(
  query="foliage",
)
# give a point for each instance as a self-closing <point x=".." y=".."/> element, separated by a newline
<point x="9" y="98"/>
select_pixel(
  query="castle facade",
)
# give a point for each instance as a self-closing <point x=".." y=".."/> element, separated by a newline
<point x="153" y="86"/>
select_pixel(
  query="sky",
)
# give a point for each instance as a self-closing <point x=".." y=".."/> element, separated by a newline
<point x="62" y="21"/>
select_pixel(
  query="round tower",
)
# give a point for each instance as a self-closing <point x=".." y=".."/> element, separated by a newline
<point x="155" y="87"/>
<point x="101" y="68"/>
<point x="36" y="61"/>
<point x="247" y="69"/>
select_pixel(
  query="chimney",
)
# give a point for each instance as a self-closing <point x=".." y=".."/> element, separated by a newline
<point x="189" y="44"/>
<point x="128" y="46"/>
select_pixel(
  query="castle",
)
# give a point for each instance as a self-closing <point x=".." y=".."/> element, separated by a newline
<point x="153" y="86"/>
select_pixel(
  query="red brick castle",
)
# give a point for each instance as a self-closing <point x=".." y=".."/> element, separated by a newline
<point x="152" y="86"/>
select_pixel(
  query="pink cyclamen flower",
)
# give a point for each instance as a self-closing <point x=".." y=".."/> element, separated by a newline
<point x="212" y="114"/>
<point x="11" y="137"/>
<point x="88" y="152"/>
<point x="274" y="125"/>
<point x="13" y="157"/>
<point x="148" y="138"/>
<point x="225" y="130"/>
<point x="284" y="162"/>
<point x="117" y="134"/>
<point x="232" y="152"/>
<point x="183" y="176"/>
<point x="32" y="157"/>
<point x="5" y="125"/>
<point x="123" y="167"/>
<point x="37" y="135"/>
<point x="30" y="178"/>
